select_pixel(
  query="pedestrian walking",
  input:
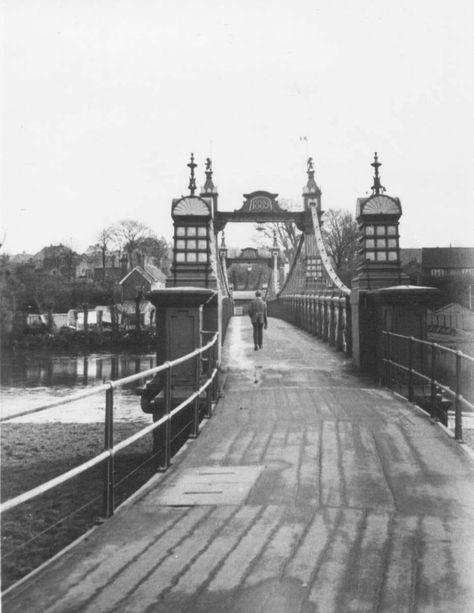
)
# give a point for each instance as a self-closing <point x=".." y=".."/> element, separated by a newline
<point x="258" y="316"/>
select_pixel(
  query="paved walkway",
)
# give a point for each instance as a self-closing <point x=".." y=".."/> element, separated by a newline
<point x="310" y="490"/>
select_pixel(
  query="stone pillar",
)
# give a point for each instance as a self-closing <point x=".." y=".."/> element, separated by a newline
<point x="401" y="310"/>
<point x="179" y="324"/>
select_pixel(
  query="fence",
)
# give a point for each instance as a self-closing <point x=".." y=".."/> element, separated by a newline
<point x="205" y="361"/>
<point x="433" y="376"/>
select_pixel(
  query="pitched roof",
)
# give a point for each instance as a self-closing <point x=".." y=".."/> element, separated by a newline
<point x="155" y="272"/>
<point x="447" y="257"/>
<point x="151" y="273"/>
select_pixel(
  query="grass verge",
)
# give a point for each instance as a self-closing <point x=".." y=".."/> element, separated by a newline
<point x="32" y="454"/>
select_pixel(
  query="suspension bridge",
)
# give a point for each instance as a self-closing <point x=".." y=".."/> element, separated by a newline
<point x="321" y="473"/>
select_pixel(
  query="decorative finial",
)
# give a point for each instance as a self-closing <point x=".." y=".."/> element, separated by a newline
<point x="377" y="187"/>
<point x="223" y="246"/>
<point x="311" y="187"/>
<point x="192" y="180"/>
<point x="209" y="186"/>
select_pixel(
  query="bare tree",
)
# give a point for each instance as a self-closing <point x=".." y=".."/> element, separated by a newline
<point x="104" y="239"/>
<point x="287" y="234"/>
<point x="129" y="233"/>
<point x="155" y="247"/>
<point x="133" y="237"/>
<point x="340" y="234"/>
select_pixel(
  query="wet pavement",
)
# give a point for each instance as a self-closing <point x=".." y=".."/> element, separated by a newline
<point x="309" y="490"/>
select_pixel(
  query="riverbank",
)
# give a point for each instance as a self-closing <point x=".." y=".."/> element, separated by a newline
<point x="32" y="454"/>
<point x="75" y="341"/>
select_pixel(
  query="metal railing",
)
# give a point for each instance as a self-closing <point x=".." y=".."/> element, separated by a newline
<point x="326" y="316"/>
<point x="413" y="363"/>
<point x="206" y="353"/>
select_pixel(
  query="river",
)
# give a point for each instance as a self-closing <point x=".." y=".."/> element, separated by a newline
<point x="34" y="378"/>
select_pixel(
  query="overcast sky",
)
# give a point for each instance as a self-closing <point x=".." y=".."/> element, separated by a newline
<point x="103" y="101"/>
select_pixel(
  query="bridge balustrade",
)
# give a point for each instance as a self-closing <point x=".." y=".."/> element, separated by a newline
<point x="325" y="316"/>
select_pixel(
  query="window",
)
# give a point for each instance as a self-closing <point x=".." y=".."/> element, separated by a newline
<point x="379" y="247"/>
<point x="189" y="248"/>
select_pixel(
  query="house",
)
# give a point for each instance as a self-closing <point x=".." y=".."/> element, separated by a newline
<point x="448" y="262"/>
<point x="134" y="286"/>
<point x="91" y="267"/>
<point x="451" y="270"/>
<point x="453" y="316"/>
<point x="141" y="280"/>
<point x="56" y="260"/>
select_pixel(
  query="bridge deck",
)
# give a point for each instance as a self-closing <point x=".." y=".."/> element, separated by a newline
<point x="309" y="490"/>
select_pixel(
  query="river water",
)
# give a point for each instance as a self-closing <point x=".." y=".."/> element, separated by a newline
<point x="35" y="378"/>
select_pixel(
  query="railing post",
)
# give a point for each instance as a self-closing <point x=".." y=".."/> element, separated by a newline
<point x="410" y="369"/>
<point x="388" y="371"/>
<point x="197" y="377"/>
<point x="167" y="424"/>
<point x="108" y="501"/>
<point x="457" y="400"/>
<point x="210" y="360"/>
<point x="215" y="365"/>
<point x="434" y="408"/>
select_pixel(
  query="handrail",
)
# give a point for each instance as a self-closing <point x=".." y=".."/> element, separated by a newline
<point x="109" y="453"/>
<point x="103" y="387"/>
<point x="436" y="386"/>
<point x="430" y="343"/>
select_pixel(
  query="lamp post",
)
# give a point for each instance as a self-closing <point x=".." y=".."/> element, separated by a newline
<point x="275" y="252"/>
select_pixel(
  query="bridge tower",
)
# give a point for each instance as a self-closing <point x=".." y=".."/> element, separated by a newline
<point x="193" y="238"/>
<point x="379" y="253"/>
<point x="312" y="260"/>
<point x="381" y="298"/>
<point x="189" y="309"/>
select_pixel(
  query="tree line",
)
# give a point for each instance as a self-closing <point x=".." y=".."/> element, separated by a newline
<point x="47" y="282"/>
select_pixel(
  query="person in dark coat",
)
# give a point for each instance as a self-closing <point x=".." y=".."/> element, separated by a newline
<point x="258" y="315"/>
